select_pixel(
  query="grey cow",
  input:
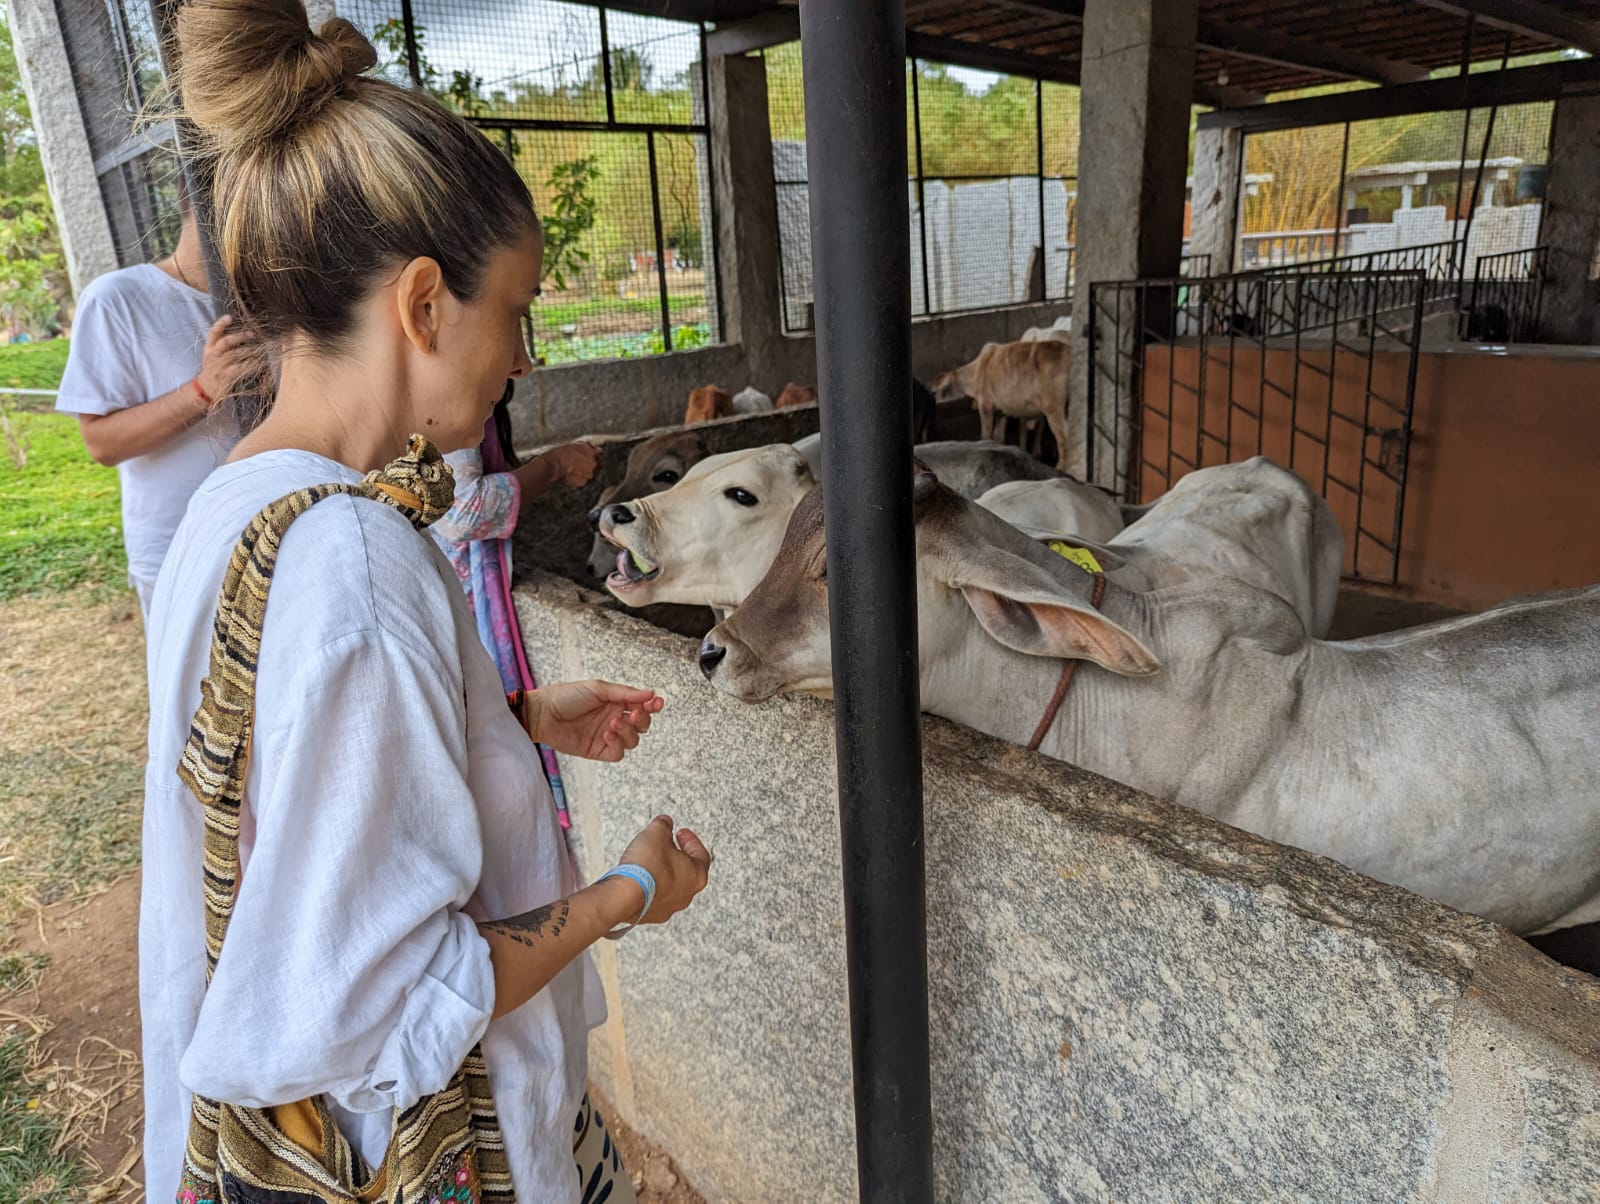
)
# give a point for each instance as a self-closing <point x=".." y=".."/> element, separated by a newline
<point x="1460" y="760"/>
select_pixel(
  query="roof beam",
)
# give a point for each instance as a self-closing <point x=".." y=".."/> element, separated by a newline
<point x="741" y="37"/>
<point x="1282" y="50"/>
<point x="1534" y="20"/>
<point x="1266" y="46"/>
<point x="1520" y="85"/>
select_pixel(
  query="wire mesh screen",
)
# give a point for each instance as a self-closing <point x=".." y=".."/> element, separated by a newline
<point x="990" y="185"/>
<point x="113" y="53"/>
<point x="603" y="114"/>
<point x="1434" y="191"/>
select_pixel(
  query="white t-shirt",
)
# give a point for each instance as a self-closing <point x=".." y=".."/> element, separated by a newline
<point x="391" y="799"/>
<point x="139" y="334"/>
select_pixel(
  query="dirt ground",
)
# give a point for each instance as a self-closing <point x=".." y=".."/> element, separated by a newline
<point x="90" y="998"/>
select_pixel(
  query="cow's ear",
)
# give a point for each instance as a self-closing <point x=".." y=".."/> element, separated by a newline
<point x="1060" y="629"/>
<point x="923" y="483"/>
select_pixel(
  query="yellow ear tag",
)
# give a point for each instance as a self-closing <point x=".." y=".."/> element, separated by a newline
<point x="1082" y="557"/>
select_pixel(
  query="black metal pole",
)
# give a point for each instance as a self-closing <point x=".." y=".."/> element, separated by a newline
<point x="408" y="21"/>
<point x="661" y="262"/>
<point x="854" y="63"/>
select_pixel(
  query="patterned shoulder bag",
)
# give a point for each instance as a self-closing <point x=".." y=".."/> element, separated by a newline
<point x="447" y="1146"/>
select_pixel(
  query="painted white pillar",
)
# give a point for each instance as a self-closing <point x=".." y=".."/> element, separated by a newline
<point x="63" y="141"/>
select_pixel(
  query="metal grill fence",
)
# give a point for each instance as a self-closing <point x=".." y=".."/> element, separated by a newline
<point x="1507" y="295"/>
<point x="991" y="184"/>
<point x="1316" y="370"/>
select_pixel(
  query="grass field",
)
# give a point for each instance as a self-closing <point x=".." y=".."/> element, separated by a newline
<point x="69" y="777"/>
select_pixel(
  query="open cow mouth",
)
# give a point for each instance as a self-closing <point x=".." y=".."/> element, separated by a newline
<point x="632" y="569"/>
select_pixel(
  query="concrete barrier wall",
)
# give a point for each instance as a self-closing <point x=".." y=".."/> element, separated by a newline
<point x="1130" y="1001"/>
<point x="620" y="397"/>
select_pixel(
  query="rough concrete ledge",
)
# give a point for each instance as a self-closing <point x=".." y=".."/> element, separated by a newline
<point x="1130" y="1001"/>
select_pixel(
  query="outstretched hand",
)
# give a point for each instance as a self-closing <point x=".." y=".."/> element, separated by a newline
<point x="597" y="720"/>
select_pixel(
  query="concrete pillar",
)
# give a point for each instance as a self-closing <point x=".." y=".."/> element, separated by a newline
<point x="1138" y="72"/>
<point x="1218" y="186"/>
<point x="747" y="218"/>
<point x="63" y="141"/>
<point x="1571" y="224"/>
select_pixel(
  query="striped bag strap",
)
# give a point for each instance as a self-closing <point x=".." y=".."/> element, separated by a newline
<point x="419" y="485"/>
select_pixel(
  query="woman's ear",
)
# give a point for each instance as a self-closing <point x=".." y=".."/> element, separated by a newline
<point x="419" y="296"/>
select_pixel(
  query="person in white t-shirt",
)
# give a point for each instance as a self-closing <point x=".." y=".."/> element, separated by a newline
<point x="149" y="366"/>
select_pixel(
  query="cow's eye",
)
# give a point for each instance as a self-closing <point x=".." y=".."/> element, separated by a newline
<point x="667" y="476"/>
<point x="742" y="496"/>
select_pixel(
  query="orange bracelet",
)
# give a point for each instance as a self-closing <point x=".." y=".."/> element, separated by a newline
<point x="205" y="398"/>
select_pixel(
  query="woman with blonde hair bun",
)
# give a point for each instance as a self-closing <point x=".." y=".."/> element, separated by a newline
<point x="398" y="897"/>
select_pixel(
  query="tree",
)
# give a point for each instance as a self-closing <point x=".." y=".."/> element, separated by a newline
<point x="31" y="278"/>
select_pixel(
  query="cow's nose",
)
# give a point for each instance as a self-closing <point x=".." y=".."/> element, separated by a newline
<point x="594" y="519"/>
<point x="710" y="657"/>
<point x="619" y="515"/>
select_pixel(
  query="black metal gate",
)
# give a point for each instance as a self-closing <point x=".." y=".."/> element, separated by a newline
<point x="1316" y="370"/>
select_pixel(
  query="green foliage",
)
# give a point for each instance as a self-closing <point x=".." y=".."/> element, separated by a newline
<point x="32" y="282"/>
<point x="60" y="512"/>
<point x="571" y="216"/>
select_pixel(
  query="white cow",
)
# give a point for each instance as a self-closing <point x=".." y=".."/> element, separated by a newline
<point x="751" y="400"/>
<point x="707" y="540"/>
<point x="1059" y="506"/>
<point x="1460" y="760"/>
<point x="1060" y="330"/>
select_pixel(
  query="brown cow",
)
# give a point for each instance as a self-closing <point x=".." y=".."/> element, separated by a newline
<point x="795" y="395"/>
<point x="656" y="464"/>
<point x="708" y="402"/>
<point x="1021" y="380"/>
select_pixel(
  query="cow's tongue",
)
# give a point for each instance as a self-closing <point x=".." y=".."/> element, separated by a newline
<point x="629" y="567"/>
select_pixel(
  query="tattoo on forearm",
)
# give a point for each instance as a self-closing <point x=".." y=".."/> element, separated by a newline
<point x="542" y="922"/>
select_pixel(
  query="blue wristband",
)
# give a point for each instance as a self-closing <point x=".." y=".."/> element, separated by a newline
<point x="646" y="881"/>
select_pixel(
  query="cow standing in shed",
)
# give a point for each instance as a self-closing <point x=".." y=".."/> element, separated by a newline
<point x="708" y="402"/>
<point x="1025" y="380"/>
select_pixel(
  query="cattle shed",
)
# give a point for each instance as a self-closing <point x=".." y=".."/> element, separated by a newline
<point x="1357" y="236"/>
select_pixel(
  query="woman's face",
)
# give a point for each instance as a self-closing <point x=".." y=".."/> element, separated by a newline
<point x="481" y="344"/>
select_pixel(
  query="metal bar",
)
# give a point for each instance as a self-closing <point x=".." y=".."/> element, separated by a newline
<point x="922" y="200"/>
<point x="854" y="53"/>
<point x="1044" y="256"/>
<point x="1405" y="435"/>
<point x="1466" y="123"/>
<point x="542" y="124"/>
<point x="1344" y="174"/>
<point x="408" y="20"/>
<point x="757" y="33"/>
<point x="1477" y="182"/>
<point x="711" y="188"/>
<point x="605" y="68"/>
<point x="661" y="248"/>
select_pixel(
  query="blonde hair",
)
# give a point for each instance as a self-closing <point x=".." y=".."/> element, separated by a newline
<point x="324" y="178"/>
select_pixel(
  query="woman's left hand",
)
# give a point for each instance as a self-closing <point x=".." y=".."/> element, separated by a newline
<point x="594" y="719"/>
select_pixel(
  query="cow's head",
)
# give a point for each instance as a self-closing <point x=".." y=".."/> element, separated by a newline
<point x="972" y="568"/>
<point x="656" y="464"/>
<point x="710" y="538"/>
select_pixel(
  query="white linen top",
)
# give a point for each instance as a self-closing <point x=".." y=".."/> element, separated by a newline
<point x="138" y="334"/>
<point x="392" y="797"/>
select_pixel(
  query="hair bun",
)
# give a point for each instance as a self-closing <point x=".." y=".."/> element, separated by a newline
<point x="252" y="70"/>
<point x="340" y="48"/>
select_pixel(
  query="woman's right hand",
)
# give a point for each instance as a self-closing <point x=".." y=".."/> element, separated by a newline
<point x="679" y="865"/>
<point x="573" y="464"/>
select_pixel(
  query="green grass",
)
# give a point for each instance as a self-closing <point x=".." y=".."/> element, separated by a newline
<point x="29" y="1171"/>
<point x="60" y="512"/>
<point x="33" y="366"/>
